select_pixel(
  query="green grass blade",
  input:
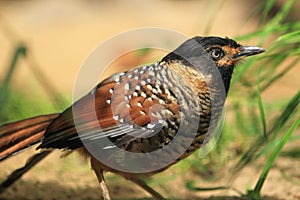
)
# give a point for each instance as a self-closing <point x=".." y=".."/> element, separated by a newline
<point x="255" y="194"/>
<point x="288" y="112"/>
<point x="4" y="87"/>
<point x="294" y="153"/>
<point x="269" y="5"/>
<point x="290" y="38"/>
<point x="282" y="14"/>
<point x="269" y="147"/>
<point x="280" y="122"/>
<point x="261" y="108"/>
<point x="19" y="51"/>
<point x="191" y="186"/>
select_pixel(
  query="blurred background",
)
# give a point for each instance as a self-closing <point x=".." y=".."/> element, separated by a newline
<point x="44" y="43"/>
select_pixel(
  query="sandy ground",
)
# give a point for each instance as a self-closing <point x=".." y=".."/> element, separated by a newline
<point x="71" y="178"/>
<point x="60" y="35"/>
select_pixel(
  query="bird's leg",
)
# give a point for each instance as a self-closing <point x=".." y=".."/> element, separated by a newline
<point x="105" y="193"/>
<point x="99" y="173"/>
<point x="146" y="187"/>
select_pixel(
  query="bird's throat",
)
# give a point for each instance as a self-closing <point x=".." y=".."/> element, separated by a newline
<point x="226" y="74"/>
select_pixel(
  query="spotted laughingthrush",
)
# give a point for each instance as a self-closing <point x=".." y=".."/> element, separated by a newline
<point x="175" y="102"/>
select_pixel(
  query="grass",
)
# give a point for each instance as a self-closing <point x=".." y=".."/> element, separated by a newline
<point x="5" y="86"/>
<point x="16" y="104"/>
<point x="270" y="125"/>
<point x="252" y="117"/>
<point x="255" y="193"/>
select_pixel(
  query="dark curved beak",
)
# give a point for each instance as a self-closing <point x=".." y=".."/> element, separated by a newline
<point x="248" y="51"/>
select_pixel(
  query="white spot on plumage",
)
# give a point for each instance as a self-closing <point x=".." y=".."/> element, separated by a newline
<point x="108" y="101"/>
<point x="111" y="90"/>
<point x="139" y="104"/>
<point x="143" y="82"/>
<point x="135" y="94"/>
<point x="136" y="78"/>
<point x="161" y="101"/>
<point x="158" y="89"/>
<point x="116" y="77"/>
<point x="151" y="73"/>
<point x="127" y="86"/>
<point x="142" y="112"/>
<point x="150" y="126"/>
<point x="143" y="94"/>
<point x="153" y="96"/>
<point x="109" y="147"/>
<point x="167" y="91"/>
<point x="137" y="87"/>
<point x="161" y="121"/>
<point x="149" y="87"/>
<point x="116" y="117"/>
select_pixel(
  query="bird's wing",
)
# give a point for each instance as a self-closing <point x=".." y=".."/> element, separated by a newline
<point x="120" y="110"/>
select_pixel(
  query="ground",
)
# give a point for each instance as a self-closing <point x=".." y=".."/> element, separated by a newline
<point x="71" y="178"/>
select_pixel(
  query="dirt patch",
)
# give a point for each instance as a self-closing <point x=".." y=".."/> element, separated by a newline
<point x="70" y="178"/>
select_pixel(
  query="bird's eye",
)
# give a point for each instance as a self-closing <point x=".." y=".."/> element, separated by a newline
<point x="216" y="54"/>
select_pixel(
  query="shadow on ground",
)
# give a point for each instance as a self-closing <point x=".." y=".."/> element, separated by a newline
<point x="55" y="191"/>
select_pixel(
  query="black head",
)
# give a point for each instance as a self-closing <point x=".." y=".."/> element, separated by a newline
<point x="208" y="52"/>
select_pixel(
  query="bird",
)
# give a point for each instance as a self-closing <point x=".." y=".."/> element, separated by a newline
<point x="141" y="121"/>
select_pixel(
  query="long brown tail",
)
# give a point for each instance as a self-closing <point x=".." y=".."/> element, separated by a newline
<point x="17" y="136"/>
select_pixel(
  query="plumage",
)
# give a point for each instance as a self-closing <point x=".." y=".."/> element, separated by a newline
<point x="178" y="100"/>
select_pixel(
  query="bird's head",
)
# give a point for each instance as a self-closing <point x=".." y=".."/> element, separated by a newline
<point x="210" y="52"/>
<point x="225" y="52"/>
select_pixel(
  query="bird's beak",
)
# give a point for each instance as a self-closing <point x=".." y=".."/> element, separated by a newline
<point x="248" y="51"/>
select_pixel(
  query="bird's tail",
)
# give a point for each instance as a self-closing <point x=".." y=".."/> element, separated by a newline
<point x="16" y="137"/>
